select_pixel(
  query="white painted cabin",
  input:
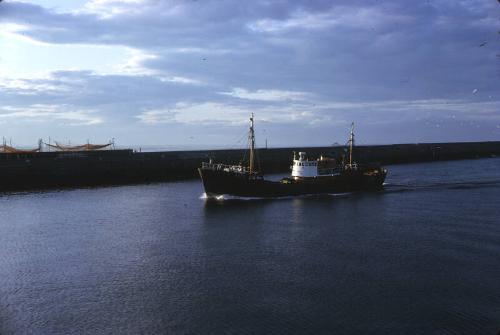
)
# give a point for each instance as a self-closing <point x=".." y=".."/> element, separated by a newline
<point x="303" y="168"/>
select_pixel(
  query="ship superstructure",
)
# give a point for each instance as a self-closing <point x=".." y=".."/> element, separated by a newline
<point x="304" y="168"/>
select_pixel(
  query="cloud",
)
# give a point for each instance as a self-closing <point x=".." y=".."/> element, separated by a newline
<point x="267" y="95"/>
<point x="32" y="87"/>
<point x="157" y="116"/>
<point x="323" y="113"/>
<point x="364" y="18"/>
<point x="134" y="64"/>
<point x="64" y="115"/>
<point x="148" y="64"/>
<point x="181" y="80"/>
<point x="110" y="8"/>
<point x="197" y="113"/>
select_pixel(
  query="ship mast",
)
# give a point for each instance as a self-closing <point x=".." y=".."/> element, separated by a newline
<point x="251" y="138"/>
<point x="351" y="144"/>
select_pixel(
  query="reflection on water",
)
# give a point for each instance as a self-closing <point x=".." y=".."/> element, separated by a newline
<point x="420" y="257"/>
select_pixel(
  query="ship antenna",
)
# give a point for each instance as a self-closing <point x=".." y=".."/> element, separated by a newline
<point x="351" y="144"/>
<point x="252" y="144"/>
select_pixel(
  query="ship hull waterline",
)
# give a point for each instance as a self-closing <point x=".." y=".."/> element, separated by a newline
<point x="219" y="183"/>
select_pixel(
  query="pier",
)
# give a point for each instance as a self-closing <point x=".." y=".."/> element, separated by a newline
<point x="104" y="167"/>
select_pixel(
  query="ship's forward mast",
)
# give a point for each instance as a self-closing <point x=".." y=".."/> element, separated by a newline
<point x="253" y="163"/>
<point x="352" y="164"/>
<point x="250" y="168"/>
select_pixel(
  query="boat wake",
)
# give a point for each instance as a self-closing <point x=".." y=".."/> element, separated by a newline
<point x="228" y="197"/>
<point x="463" y="185"/>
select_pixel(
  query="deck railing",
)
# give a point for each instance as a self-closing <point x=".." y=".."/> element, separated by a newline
<point x="224" y="167"/>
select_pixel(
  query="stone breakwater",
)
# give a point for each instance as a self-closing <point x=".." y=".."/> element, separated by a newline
<point x="85" y="168"/>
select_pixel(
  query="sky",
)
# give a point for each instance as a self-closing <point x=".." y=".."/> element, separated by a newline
<point x="187" y="74"/>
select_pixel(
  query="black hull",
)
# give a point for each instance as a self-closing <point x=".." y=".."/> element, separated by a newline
<point x="218" y="182"/>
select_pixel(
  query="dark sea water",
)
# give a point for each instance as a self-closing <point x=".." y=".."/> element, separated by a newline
<point x="420" y="257"/>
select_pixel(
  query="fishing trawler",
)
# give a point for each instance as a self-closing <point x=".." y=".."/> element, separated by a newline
<point x="308" y="176"/>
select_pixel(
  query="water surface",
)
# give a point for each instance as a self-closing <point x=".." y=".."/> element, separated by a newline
<point x="420" y="257"/>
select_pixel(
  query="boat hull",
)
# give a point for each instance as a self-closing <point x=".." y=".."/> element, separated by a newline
<point x="219" y="182"/>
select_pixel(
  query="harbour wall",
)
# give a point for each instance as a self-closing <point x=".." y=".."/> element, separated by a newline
<point x="61" y="169"/>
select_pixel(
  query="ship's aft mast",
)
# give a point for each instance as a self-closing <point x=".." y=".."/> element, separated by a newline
<point x="251" y="138"/>
<point x="351" y="144"/>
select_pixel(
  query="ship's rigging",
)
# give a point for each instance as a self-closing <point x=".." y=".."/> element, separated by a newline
<point x="308" y="176"/>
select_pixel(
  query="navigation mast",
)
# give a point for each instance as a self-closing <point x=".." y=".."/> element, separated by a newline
<point x="351" y="144"/>
<point x="252" y="145"/>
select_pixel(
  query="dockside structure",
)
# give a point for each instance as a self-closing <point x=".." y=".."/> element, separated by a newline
<point x="78" y="168"/>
